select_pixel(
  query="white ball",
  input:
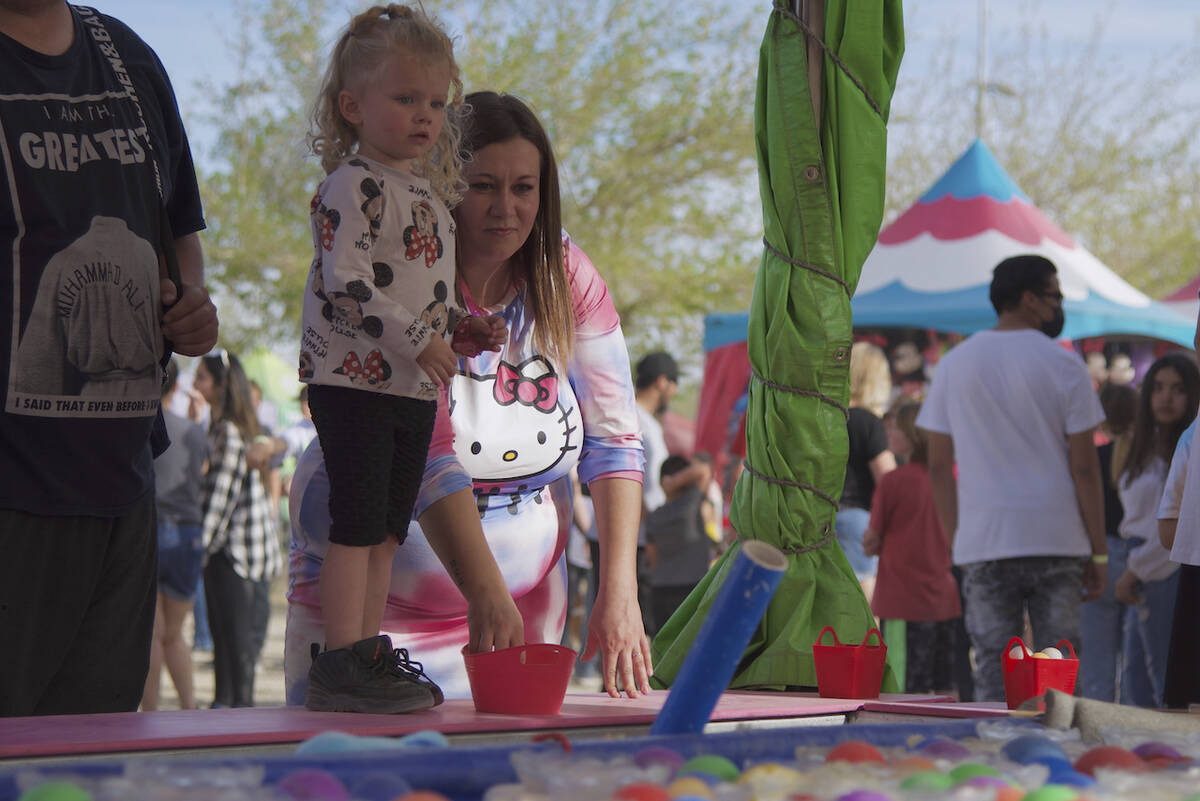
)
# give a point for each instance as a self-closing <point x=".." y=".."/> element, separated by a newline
<point x="1052" y="653"/>
<point x="1016" y="652"/>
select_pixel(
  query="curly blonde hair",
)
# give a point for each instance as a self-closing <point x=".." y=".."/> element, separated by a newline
<point x="870" y="378"/>
<point x="367" y="42"/>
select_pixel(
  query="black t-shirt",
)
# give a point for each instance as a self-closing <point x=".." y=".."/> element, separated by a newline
<point x="79" y="240"/>
<point x="868" y="439"/>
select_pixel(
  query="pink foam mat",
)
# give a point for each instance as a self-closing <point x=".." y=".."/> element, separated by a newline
<point x="72" y="735"/>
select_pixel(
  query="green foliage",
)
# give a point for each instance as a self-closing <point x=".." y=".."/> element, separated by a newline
<point x="649" y="106"/>
<point x="258" y="182"/>
<point x="1106" y="151"/>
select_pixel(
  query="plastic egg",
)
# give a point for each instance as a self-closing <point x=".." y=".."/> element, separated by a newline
<point x="423" y="795"/>
<point x="772" y="780"/>
<point x="56" y="791"/>
<point x="941" y="747"/>
<point x="854" y="751"/>
<point x="969" y="770"/>
<point x="1051" y="653"/>
<point x="689" y="787"/>
<point x="1016" y="652"/>
<point x="659" y="755"/>
<point x="912" y="764"/>
<point x="927" y="781"/>
<point x="379" y="786"/>
<point x="1032" y="748"/>
<point x="1158" y="753"/>
<point x="1053" y="792"/>
<point x="864" y="795"/>
<point x="642" y="791"/>
<point x="1109" y="756"/>
<point x="312" y="784"/>
<point x="712" y="764"/>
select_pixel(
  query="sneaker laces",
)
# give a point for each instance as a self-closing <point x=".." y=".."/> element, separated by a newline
<point x="402" y="663"/>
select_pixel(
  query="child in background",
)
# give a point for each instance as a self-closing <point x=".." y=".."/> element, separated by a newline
<point x="677" y="543"/>
<point x="377" y="306"/>
<point x="914" y="583"/>
<point x="1167" y="405"/>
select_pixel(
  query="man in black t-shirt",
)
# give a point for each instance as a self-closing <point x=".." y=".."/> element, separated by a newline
<point x="94" y="167"/>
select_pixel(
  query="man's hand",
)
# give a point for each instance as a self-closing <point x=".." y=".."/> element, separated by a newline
<point x="438" y="361"/>
<point x="1095" y="579"/>
<point x="191" y="323"/>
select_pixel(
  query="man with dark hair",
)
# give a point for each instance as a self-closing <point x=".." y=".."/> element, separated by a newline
<point x="1025" y="515"/>
<point x="97" y="197"/>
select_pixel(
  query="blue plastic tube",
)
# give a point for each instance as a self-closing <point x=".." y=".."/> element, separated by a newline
<point x="752" y="580"/>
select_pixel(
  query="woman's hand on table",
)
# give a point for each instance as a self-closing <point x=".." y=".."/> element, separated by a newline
<point x="615" y="628"/>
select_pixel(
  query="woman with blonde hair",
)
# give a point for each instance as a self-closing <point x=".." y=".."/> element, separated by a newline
<point x="868" y="458"/>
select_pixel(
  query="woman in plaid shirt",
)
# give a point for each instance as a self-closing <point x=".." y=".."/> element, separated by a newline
<point x="239" y="532"/>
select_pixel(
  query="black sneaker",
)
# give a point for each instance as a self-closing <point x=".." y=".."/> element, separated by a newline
<point x="364" y="678"/>
<point x="407" y="667"/>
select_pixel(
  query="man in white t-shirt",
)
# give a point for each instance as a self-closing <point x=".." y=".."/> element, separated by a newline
<point x="1025" y="514"/>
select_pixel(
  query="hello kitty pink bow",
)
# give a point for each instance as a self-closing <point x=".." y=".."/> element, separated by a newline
<point x="512" y="387"/>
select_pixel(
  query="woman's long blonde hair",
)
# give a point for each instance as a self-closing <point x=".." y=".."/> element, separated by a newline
<point x="870" y="378"/>
<point x="368" y="41"/>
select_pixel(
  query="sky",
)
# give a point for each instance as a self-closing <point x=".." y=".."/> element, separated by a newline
<point x="192" y="36"/>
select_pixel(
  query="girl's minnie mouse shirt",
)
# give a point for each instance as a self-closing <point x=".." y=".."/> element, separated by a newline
<point x="379" y="286"/>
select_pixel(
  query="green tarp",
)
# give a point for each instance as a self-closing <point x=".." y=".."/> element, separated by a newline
<point x="821" y="157"/>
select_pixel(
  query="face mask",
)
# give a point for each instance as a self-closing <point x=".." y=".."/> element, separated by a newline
<point x="1054" y="326"/>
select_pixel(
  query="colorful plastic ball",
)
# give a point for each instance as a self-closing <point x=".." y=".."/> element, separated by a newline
<point x="659" y="755"/>
<point x="772" y="780"/>
<point x="712" y="764"/>
<point x="927" y="781"/>
<point x="313" y="784"/>
<point x="1158" y="754"/>
<point x="379" y="786"/>
<point x="1053" y="792"/>
<point x="642" y="791"/>
<point x="423" y="795"/>
<point x="965" y="771"/>
<point x="864" y="795"/>
<point x="1109" y="756"/>
<point x="328" y="742"/>
<point x="56" y="791"/>
<point x="985" y="780"/>
<point x="913" y="764"/>
<point x="943" y="748"/>
<point x="854" y="751"/>
<point x="1061" y="772"/>
<point x="1031" y="748"/>
<point x="689" y="787"/>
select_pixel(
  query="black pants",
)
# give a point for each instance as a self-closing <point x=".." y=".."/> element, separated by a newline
<point x="1183" y="661"/>
<point x="666" y="599"/>
<point x="238" y="611"/>
<point x="77" y="598"/>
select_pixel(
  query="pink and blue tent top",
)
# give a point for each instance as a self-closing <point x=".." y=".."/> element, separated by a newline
<point x="931" y="267"/>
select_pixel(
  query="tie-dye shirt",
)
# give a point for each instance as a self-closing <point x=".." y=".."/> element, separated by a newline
<point x="512" y="428"/>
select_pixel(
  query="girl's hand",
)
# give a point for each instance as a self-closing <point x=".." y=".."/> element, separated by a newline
<point x="494" y="621"/>
<point x="615" y="627"/>
<point x="438" y="361"/>
<point x="871" y="542"/>
<point x="475" y="334"/>
<point x="1126" y="589"/>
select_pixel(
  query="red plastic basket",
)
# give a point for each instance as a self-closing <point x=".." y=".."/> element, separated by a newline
<point x="1027" y="677"/>
<point x="523" y="680"/>
<point x="849" y="671"/>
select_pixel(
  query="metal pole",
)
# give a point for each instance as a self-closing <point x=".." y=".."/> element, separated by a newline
<point x="981" y="81"/>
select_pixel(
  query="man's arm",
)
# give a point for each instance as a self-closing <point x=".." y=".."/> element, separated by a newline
<point x="1166" y="531"/>
<point x="190" y="321"/>
<point x="941" y="476"/>
<point x="1089" y="493"/>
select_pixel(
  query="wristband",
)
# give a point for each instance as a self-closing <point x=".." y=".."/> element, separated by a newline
<point x="1099" y="559"/>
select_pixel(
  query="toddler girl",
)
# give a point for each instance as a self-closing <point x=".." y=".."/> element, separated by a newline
<point x="376" y="308"/>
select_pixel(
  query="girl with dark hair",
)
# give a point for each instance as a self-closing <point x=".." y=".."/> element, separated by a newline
<point x="914" y="584"/>
<point x="1167" y="405"/>
<point x="239" y="532"/>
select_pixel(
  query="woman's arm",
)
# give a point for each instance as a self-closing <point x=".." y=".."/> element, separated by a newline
<point x="883" y="463"/>
<point x="451" y="525"/>
<point x="615" y="626"/>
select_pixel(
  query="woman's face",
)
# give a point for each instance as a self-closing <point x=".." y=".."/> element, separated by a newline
<point x="204" y="383"/>
<point x="501" y="203"/>
<point x="1168" y="396"/>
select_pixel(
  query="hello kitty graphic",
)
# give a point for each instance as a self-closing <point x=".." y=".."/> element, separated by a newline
<point x="522" y="429"/>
